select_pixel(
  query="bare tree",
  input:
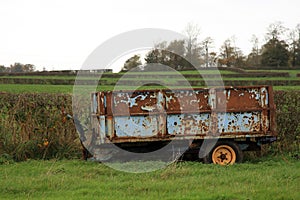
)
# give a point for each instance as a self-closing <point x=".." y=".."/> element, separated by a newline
<point x="255" y="42"/>
<point x="254" y="57"/>
<point x="193" y="52"/>
<point x="275" y="30"/>
<point x="207" y="44"/>
<point x="294" y="44"/>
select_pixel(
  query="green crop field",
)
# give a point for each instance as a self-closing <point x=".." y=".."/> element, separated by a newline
<point x="278" y="178"/>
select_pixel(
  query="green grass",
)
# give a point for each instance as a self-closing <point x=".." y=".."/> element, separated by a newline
<point x="264" y="78"/>
<point x="293" y="73"/>
<point x="20" y="88"/>
<point x="48" y="88"/>
<point x="74" y="179"/>
<point x="32" y="88"/>
<point x="287" y="88"/>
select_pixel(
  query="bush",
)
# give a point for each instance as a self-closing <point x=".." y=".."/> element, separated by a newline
<point x="33" y="126"/>
<point x="288" y="126"/>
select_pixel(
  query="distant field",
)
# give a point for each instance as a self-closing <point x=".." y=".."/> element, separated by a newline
<point x="278" y="178"/>
<point x="30" y="88"/>
<point x="293" y="73"/>
<point x="64" y="83"/>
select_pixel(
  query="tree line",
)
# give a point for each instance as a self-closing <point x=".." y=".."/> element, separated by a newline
<point x="17" y="68"/>
<point x="281" y="48"/>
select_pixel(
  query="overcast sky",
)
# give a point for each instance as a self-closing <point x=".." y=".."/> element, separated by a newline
<point x="60" y="34"/>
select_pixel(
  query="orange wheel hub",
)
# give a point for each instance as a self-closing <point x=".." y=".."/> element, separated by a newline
<point x="223" y="155"/>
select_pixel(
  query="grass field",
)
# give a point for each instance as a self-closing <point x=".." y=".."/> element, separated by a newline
<point x="278" y="178"/>
<point x="275" y="177"/>
<point x="293" y="73"/>
<point x="33" y="88"/>
<point x="109" y="82"/>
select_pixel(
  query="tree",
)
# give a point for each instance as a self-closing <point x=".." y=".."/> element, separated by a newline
<point x="212" y="58"/>
<point x="230" y="55"/>
<point x="177" y="47"/>
<point x="294" y="41"/>
<point x="226" y="56"/>
<point x="207" y="44"/>
<point x="275" y="31"/>
<point x="16" y="68"/>
<point x="239" y="58"/>
<point x="19" y="68"/>
<point x="2" y="68"/>
<point x="28" y="68"/>
<point x="275" y="51"/>
<point x="226" y="51"/>
<point x="132" y="62"/>
<point x="171" y="55"/>
<point x="254" y="58"/>
<point x="179" y="54"/>
<point x="158" y="56"/>
<point x="176" y="53"/>
<point x="193" y="49"/>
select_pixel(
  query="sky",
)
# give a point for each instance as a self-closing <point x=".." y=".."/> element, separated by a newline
<point x="61" y="34"/>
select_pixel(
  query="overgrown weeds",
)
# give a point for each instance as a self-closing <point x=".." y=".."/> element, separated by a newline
<point x="34" y="126"/>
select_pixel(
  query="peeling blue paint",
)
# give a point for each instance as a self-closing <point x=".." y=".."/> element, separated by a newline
<point x="136" y="126"/>
<point x="188" y="124"/>
<point x="239" y="122"/>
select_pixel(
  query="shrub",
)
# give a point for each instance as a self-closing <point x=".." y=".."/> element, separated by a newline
<point x="288" y="126"/>
<point x="33" y="126"/>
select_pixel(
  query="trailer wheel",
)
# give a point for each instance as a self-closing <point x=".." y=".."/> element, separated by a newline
<point x="224" y="153"/>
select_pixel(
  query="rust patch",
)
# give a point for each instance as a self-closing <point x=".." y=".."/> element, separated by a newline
<point x="248" y="98"/>
<point x="181" y="101"/>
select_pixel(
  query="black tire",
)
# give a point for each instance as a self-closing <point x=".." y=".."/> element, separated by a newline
<point x="230" y="145"/>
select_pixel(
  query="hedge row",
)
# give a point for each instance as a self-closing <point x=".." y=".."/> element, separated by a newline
<point x="202" y="83"/>
<point x="143" y="79"/>
<point x="54" y="73"/>
<point x="48" y="81"/>
<point x="244" y="82"/>
<point x="34" y="126"/>
<point x="272" y="68"/>
<point x="288" y="118"/>
<point x="239" y="75"/>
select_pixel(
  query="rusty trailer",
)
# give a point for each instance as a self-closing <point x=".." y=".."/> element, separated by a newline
<point x="230" y="119"/>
